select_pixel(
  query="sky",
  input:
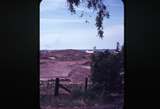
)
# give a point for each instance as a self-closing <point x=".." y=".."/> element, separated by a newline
<point x="59" y="29"/>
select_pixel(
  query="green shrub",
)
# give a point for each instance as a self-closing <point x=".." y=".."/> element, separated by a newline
<point x="106" y="68"/>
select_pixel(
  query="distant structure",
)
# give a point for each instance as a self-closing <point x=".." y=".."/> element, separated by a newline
<point x="118" y="47"/>
<point x="94" y="49"/>
<point x="89" y="51"/>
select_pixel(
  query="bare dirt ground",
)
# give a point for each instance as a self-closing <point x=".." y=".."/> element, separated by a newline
<point x="70" y="64"/>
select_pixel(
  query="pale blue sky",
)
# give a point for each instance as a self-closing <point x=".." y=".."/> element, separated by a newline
<point x="61" y="30"/>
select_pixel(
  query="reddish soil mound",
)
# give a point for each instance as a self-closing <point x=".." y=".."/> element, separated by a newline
<point x="70" y="64"/>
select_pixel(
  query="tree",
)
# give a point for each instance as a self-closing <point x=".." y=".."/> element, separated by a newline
<point x="94" y="48"/>
<point x="106" y="68"/>
<point x="117" y="47"/>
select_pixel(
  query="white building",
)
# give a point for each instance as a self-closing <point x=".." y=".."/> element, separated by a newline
<point x="89" y="51"/>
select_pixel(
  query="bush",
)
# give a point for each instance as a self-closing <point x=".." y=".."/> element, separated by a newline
<point x="106" y="68"/>
<point x="77" y="93"/>
<point x="91" y="95"/>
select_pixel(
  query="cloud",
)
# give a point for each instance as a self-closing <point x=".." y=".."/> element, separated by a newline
<point x="83" y="38"/>
<point x="62" y="20"/>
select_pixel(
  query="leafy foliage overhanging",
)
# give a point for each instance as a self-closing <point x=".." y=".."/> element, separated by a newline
<point x="97" y="5"/>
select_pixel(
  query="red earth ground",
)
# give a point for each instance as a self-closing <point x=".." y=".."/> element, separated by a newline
<point x="73" y="65"/>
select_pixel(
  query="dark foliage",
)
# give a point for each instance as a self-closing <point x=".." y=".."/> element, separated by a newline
<point x="106" y="72"/>
<point x="97" y="5"/>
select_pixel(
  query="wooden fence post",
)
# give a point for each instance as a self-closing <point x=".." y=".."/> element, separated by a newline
<point x="86" y="84"/>
<point x="56" y="87"/>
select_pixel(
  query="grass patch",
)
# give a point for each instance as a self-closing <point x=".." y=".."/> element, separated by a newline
<point x="78" y="98"/>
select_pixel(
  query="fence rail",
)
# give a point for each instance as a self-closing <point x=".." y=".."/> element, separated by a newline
<point x="52" y="86"/>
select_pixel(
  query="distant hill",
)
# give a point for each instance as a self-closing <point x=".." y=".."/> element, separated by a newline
<point x="100" y="50"/>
